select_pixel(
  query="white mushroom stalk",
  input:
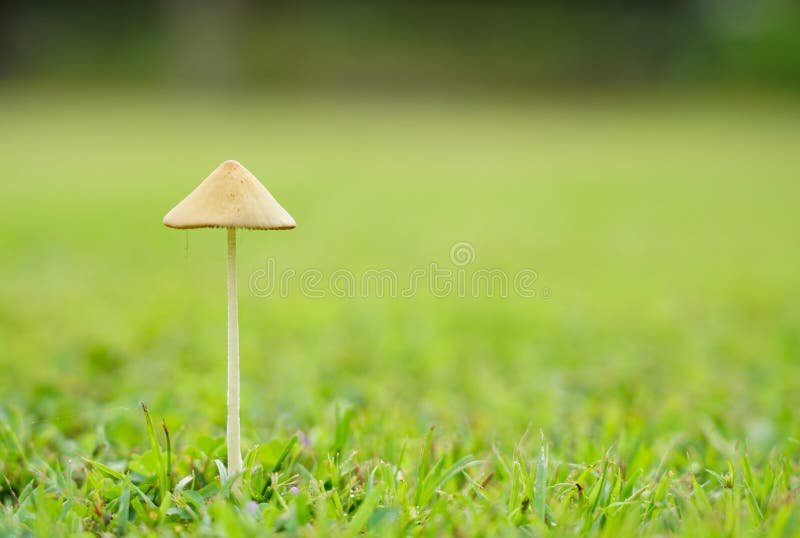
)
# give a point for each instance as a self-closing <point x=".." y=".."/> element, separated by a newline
<point x="233" y="437"/>
<point x="231" y="197"/>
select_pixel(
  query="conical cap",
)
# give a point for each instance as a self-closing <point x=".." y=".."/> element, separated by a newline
<point x="231" y="197"/>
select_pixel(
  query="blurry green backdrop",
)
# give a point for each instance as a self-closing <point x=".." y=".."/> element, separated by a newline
<point x="643" y="159"/>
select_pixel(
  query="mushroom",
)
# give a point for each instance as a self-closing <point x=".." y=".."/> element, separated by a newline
<point x="231" y="197"/>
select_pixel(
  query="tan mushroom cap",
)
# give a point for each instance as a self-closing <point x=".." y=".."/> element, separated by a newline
<point x="231" y="197"/>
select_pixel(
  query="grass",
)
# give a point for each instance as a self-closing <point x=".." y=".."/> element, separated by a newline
<point x="649" y="389"/>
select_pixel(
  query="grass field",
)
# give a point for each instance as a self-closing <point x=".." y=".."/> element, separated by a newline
<point x="651" y="387"/>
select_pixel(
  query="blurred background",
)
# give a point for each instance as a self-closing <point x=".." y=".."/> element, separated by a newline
<point x="416" y="46"/>
<point x="641" y="157"/>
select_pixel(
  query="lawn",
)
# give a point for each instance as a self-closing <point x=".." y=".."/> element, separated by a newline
<point x="650" y="386"/>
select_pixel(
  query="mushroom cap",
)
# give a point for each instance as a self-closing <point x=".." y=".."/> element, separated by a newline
<point x="230" y="197"/>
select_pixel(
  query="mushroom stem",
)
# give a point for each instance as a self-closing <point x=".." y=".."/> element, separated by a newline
<point x="234" y="450"/>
